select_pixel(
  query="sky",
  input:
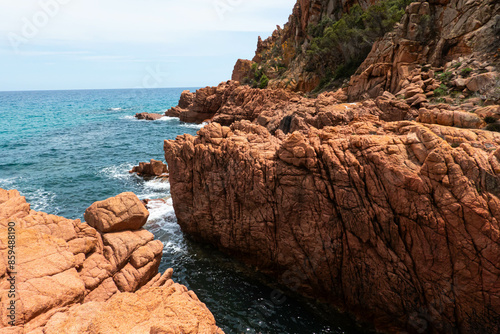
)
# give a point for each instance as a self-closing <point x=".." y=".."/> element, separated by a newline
<point x="106" y="44"/>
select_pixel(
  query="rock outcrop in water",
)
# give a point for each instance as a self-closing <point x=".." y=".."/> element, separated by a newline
<point x="226" y="103"/>
<point x="148" y="116"/>
<point x="72" y="278"/>
<point x="154" y="168"/>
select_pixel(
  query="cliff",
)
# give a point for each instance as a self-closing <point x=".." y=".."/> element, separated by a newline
<point x="435" y="33"/>
<point x="387" y="208"/>
<point x="101" y="277"/>
<point x="397" y="223"/>
<point x="324" y="41"/>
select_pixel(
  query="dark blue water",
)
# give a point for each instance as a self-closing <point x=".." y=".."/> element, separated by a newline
<point x="64" y="150"/>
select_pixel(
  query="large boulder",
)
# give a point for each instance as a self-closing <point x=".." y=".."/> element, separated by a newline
<point x="242" y="70"/>
<point x="120" y="213"/>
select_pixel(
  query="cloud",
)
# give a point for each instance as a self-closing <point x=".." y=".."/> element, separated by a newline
<point x="147" y="21"/>
<point x="107" y="44"/>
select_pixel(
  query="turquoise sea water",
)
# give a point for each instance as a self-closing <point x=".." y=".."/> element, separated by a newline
<point x="64" y="150"/>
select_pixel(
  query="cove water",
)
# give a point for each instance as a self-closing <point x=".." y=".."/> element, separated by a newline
<point x="64" y="150"/>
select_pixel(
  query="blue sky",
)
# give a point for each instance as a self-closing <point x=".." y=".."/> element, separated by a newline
<point x="99" y="44"/>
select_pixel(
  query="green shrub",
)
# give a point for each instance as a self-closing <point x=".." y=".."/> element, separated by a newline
<point x="457" y="65"/>
<point x="490" y="119"/>
<point x="349" y="40"/>
<point x="263" y="82"/>
<point x="441" y="91"/>
<point x="493" y="127"/>
<point x="445" y="77"/>
<point x="465" y="72"/>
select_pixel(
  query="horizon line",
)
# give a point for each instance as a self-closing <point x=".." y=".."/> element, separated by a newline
<point x="81" y="89"/>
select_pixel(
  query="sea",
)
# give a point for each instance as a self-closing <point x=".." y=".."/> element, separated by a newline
<point x="64" y="150"/>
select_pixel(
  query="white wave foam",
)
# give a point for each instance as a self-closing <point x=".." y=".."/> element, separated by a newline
<point x="173" y="247"/>
<point x="157" y="185"/>
<point x="163" y="224"/>
<point x="115" y="109"/>
<point x="8" y="184"/>
<point x="168" y="118"/>
<point x="42" y="200"/>
<point x="118" y="171"/>
<point x="159" y="210"/>
<point x="129" y="117"/>
<point x="193" y="126"/>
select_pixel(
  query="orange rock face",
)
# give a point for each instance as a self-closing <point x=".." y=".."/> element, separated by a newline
<point x="226" y="103"/>
<point x="397" y="222"/>
<point x="72" y="278"/>
<point x="241" y="70"/>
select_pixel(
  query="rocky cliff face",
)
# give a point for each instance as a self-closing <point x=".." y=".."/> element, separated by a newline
<point x="283" y="54"/>
<point x="431" y="32"/>
<point x="388" y="208"/>
<point x="72" y="277"/>
<point x="397" y="223"/>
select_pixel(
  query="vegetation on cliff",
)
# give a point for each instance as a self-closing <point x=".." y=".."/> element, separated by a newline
<point x="338" y="47"/>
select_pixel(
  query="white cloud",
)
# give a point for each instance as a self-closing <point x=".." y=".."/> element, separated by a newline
<point x="146" y="21"/>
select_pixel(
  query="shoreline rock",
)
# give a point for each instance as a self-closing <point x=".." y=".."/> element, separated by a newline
<point x="148" y="116"/>
<point x="73" y="278"/>
<point x="154" y="168"/>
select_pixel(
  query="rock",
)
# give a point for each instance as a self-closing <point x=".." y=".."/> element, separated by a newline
<point x="227" y="103"/>
<point x="481" y="82"/>
<point x="392" y="108"/>
<point x="167" y="309"/>
<point x="442" y="32"/>
<point x="460" y="119"/>
<point x="460" y="83"/>
<point x="242" y="70"/>
<point x="383" y="220"/>
<point x="151" y="169"/>
<point x="416" y="100"/>
<point x="120" y="213"/>
<point x="489" y="111"/>
<point x="69" y="276"/>
<point x="148" y="116"/>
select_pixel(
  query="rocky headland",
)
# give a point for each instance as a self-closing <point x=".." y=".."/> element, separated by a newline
<point x="95" y="277"/>
<point x="378" y="192"/>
